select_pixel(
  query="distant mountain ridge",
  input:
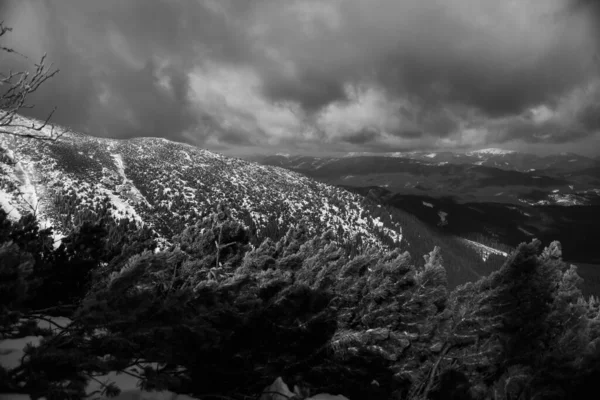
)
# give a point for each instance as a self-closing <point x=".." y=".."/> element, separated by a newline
<point x="488" y="174"/>
<point x="511" y="160"/>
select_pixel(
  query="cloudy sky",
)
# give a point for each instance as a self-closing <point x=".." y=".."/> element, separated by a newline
<point x="319" y="76"/>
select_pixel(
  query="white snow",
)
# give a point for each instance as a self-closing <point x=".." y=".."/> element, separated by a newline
<point x="427" y="204"/>
<point x="492" y="151"/>
<point x="442" y="216"/>
<point x="6" y="205"/>
<point x="430" y="155"/>
<point x="123" y="209"/>
<point x="127" y="185"/>
<point x="11" y="352"/>
<point x="26" y="189"/>
<point x="525" y="231"/>
<point x="484" y="250"/>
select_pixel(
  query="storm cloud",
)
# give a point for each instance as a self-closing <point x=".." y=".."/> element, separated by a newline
<point x="319" y="75"/>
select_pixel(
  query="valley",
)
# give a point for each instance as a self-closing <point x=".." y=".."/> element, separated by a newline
<point x="478" y="196"/>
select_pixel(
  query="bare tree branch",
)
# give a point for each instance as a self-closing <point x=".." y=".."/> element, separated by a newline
<point x="15" y="88"/>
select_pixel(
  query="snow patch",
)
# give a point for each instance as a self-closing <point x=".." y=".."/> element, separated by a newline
<point x="485" y="251"/>
<point x="6" y="205"/>
<point x="492" y="151"/>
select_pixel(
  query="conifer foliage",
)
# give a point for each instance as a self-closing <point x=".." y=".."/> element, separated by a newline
<point x="214" y="314"/>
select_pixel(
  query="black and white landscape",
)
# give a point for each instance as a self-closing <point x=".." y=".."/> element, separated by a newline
<point x="275" y="200"/>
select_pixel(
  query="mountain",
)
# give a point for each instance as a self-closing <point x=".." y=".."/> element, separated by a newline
<point x="166" y="186"/>
<point x="459" y="178"/>
<point x="505" y="206"/>
<point x="554" y="164"/>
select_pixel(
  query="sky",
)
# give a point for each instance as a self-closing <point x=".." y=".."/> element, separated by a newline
<point x="319" y="76"/>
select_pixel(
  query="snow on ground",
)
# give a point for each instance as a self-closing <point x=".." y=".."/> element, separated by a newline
<point x="11" y="351"/>
<point x="525" y="231"/>
<point x="187" y="156"/>
<point x="127" y="184"/>
<point x="123" y="209"/>
<point x="491" y="151"/>
<point x="26" y="189"/>
<point x="7" y="205"/>
<point x="442" y="216"/>
<point x="484" y="250"/>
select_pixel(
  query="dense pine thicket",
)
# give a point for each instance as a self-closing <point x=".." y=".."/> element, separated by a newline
<point x="219" y="316"/>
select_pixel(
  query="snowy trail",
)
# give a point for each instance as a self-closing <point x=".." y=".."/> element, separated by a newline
<point x="126" y="181"/>
<point x="26" y="189"/>
<point x="485" y="250"/>
<point x="120" y="166"/>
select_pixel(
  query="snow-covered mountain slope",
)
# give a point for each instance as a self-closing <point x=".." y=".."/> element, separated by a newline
<point x="167" y="185"/>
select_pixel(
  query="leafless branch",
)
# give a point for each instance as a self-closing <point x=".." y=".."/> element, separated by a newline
<point x="15" y="88"/>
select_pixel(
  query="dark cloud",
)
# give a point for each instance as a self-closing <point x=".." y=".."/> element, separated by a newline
<point x="588" y="115"/>
<point x="301" y="74"/>
<point x="312" y="91"/>
<point x="409" y="134"/>
<point x="111" y="55"/>
<point x="361" y="137"/>
<point x="547" y="132"/>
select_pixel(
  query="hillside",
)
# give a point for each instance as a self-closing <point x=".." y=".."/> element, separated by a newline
<point x="501" y="206"/>
<point x="166" y="186"/>
<point x="478" y="176"/>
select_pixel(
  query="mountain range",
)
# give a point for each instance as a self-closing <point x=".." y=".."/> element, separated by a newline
<point x="509" y="196"/>
<point x="167" y="186"/>
<point x="485" y="175"/>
